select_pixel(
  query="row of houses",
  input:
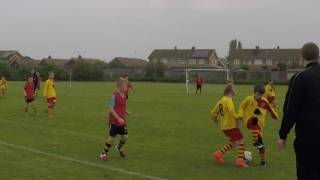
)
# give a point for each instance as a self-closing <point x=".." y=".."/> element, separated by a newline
<point x="176" y="60"/>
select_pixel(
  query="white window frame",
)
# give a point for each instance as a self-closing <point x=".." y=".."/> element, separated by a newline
<point x="201" y="61"/>
<point x="269" y="62"/>
<point x="236" y="62"/>
<point x="192" y="61"/>
<point x="258" y="62"/>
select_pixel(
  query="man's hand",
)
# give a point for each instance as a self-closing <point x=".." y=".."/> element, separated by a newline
<point x="128" y="113"/>
<point x="215" y="121"/>
<point x="281" y="144"/>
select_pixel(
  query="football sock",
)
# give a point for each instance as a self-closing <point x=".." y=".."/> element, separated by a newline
<point x="120" y="145"/>
<point x="226" y="148"/>
<point x="241" y="151"/>
<point x="262" y="154"/>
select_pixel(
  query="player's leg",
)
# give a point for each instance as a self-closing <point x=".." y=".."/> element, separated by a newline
<point x="26" y="107"/>
<point x="33" y="106"/>
<point x="262" y="151"/>
<point x="124" y="137"/>
<point x="218" y="155"/>
<point x="253" y="126"/>
<point x="240" y="157"/>
<point x="104" y="156"/>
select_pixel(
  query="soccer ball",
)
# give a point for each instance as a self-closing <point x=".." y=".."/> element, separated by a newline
<point x="247" y="156"/>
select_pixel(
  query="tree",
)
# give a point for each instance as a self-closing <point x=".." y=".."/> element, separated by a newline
<point x="232" y="46"/>
<point x="244" y="67"/>
<point x="282" y="66"/>
<point x="155" y="70"/>
<point x="239" y="45"/>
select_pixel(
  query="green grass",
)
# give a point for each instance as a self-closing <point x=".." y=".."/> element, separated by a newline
<point x="170" y="136"/>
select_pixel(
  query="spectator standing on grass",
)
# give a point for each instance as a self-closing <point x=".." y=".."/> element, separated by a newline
<point x="302" y="109"/>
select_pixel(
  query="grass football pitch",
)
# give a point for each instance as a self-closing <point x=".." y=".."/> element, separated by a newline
<point x="171" y="136"/>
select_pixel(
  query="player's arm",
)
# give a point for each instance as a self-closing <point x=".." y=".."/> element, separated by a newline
<point x="45" y="90"/>
<point x="243" y="107"/>
<point x="24" y="91"/>
<point x="291" y="107"/>
<point x="231" y="110"/>
<point x="214" y="113"/>
<point x="272" y="111"/>
<point x="112" y="111"/>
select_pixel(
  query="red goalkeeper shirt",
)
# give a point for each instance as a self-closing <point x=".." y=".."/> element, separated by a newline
<point x="29" y="89"/>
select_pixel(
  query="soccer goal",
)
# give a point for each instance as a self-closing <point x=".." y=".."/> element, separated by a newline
<point x="208" y="75"/>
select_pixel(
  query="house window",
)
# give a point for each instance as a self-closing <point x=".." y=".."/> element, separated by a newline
<point x="290" y="62"/>
<point x="236" y="61"/>
<point x="269" y="62"/>
<point x="258" y="62"/>
<point x="192" y="61"/>
<point x="201" y="61"/>
<point x="155" y="60"/>
<point x="164" y="61"/>
<point x="249" y="62"/>
<point x="181" y="62"/>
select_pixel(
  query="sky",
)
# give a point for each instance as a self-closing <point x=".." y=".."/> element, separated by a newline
<point x="133" y="28"/>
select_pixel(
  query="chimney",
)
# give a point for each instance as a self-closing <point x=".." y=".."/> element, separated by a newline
<point x="175" y="48"/>
<point x="257" y="47"/>
<point x="49" y="57"/>
<point x="79" y="57"/>
<point x="278" y="47"/>
<point x="193" y="48"/>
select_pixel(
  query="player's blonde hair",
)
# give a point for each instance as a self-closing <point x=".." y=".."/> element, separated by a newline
<point x="121" y="80"/>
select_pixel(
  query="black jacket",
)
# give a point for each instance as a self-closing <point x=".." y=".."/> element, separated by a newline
<point x="302" y="104"/>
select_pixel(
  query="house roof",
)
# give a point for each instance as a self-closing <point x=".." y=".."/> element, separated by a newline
<point x="273" y="54"/>
<point x="54" y="61"/>
<point x="89" y="60"/>
<point x="130" y="62"/>
<point x="181" y="53"/>
<point x="6" y="54"/>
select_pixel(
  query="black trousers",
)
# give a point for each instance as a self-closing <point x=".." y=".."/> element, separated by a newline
<point x="307" y="158"/>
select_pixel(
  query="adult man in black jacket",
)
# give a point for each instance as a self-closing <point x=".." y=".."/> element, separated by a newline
<point x="302" y="109"/>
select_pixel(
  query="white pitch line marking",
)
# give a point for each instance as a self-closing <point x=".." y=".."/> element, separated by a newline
<point x="81" y="161"/>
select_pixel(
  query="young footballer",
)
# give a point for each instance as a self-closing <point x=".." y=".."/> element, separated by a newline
<point x="224" y="110"/>
<point x="117" y="120"/>
<point x="3" y="86"/>
<point x="271" y="93"/>
<point x="49" y="92"/>
<point x="199" y="83"/>
<point x="29" y="95"/>
<point x="253" y="110"/>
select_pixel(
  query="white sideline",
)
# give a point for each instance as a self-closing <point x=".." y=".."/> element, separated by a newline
<point x="81" y="161"/>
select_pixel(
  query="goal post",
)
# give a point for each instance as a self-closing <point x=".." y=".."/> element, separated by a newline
<point x="209" y="75"/>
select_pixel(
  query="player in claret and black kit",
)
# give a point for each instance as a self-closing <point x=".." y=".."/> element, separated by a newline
<point x="29" y="95"/>
<point x="117" y="120"/>
<point x="199" y="83"/>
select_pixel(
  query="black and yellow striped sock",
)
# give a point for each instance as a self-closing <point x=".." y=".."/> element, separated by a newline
<point x="107" y="147"/>
<point x="226" y="148"/>
<point x="262" y="154"/>
<point x="241" y="151"/>
<point x="121" y="144"/>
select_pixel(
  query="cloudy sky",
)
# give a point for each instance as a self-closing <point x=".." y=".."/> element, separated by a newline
<point x="132" y="28"/>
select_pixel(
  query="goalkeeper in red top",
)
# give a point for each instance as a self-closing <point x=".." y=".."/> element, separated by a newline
<point x="117" y="120"/>
<point x="199" y="83"/>
<point x="29" y="95"/>
<point x="253" y="110"/>
<point x="224" y="110"/>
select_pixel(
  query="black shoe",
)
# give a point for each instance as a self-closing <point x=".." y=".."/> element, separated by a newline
<point x="258" y="144"/>
<point x="263" y="164"/>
